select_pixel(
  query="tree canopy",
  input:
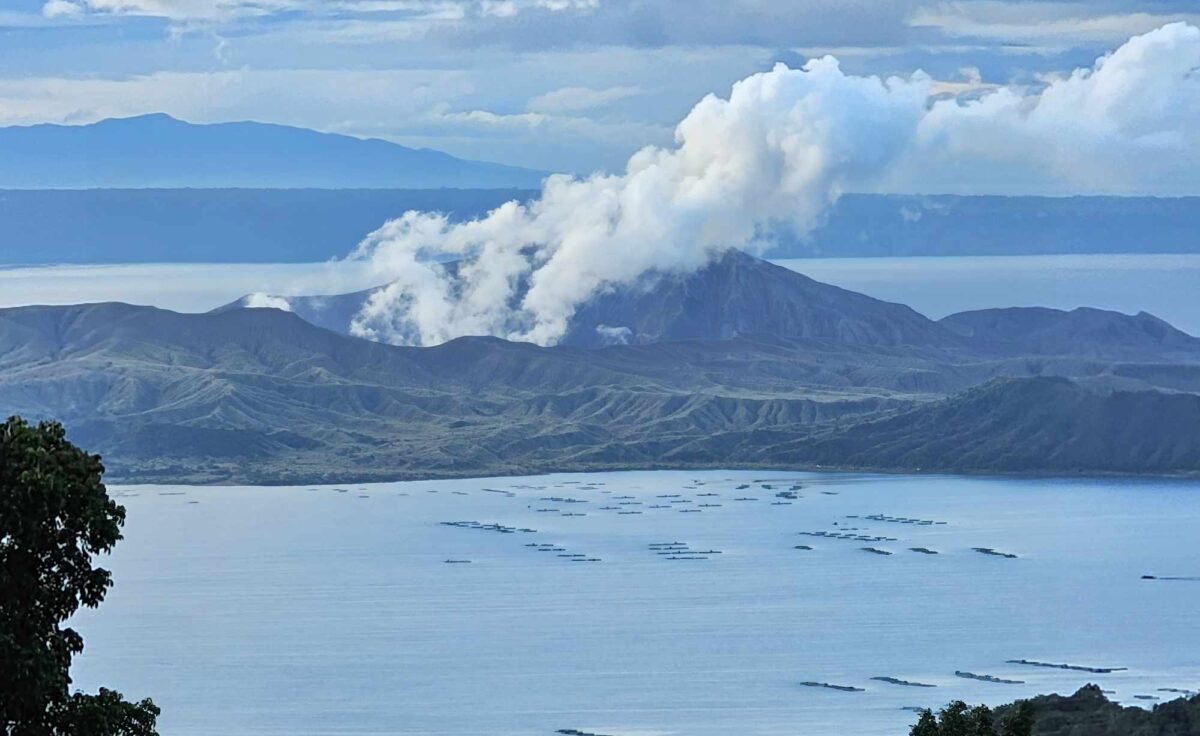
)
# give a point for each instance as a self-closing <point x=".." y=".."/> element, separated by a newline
<point x="55" y="517"/>
<point x="1088" y="712"/>
<point x="960" y="719"/>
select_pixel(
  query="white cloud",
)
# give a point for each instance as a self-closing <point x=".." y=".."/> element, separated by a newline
<point x="571" y="99"/>
<point x="323" y="99"/>
<point x="614" y="335"/>
<point x="498" y="8"/>
<point x="407" y="103"/>
<point x="778" y="152"/>
<point x="184" y="287"/>
<point x="556" y="136"/>
<point x="186" y="10"/>
<point x="561" y="5"/>
<point x="224" y="11"/>
<point x="509" y="8"/>
<point x="1127" y="125"/>
<point x="970" y="83"/>
<point x="1045" y="24"/>
<point x="61" y="8"/>
<point x="489" y="119"/>
<point x="260" y="300"/>
<point x="361" y="32"/>
<point x="1113" y="136"/>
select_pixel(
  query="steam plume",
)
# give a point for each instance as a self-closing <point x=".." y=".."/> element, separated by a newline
<point x="776" y="153"/>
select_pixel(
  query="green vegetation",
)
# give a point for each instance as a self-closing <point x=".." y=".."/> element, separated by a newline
<point x="152" y="391"/>
<point x="55" y="514"/>
<point x="740" y="364"/>
<point x="1086" y="713"/>
<point x="959" y="719"/>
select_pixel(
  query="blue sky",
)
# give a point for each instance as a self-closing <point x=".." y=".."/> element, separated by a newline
<point x="555" y="84"/>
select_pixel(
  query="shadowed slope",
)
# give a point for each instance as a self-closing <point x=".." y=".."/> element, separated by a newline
<point x="741" y="362"/>
<point x="1025" y="425"/>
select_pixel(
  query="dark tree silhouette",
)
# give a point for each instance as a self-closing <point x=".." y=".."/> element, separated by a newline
<point x="1018" y="721"/>
<point x="981" y="722"/>
<point x="926" y="725"/>
<point x="959" y="719"/>
<point x="55" y="514"/>
<point x="953" y="720"/>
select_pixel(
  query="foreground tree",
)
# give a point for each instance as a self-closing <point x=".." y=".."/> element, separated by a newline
<point x="953" y="720"/>
<point x="981" y="721"/>
<point x="55" y="515"/>
<point x="926" y="725"/>
<point x="958" y="719"/>
<point x="1019" y="720"/>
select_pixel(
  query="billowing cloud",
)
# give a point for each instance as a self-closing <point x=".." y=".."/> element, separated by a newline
<point x="1053" y="24"/>
<point x="1126" y="125"/>
<point x="446" y="109"/>
<point x="776" y="152"/>
<point x="783" y="146"/>
<point x="569" y="59"/>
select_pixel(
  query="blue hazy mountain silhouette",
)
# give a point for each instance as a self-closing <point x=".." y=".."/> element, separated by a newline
<point x="160" y="151"/>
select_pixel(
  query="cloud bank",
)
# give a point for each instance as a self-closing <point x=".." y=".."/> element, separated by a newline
<point x="1126" y="125"/>
<point x="776" y="154"/>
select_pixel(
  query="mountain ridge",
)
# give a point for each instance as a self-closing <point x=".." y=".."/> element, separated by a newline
<point x="1028" y="425"/>
<point x="262" y="396"/>
<point x="159" y="151"/>
<point x="735" y="294"/>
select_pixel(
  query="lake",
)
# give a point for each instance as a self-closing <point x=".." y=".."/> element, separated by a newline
<point x="640" y="603"/>
<point x="1164" y="285"/>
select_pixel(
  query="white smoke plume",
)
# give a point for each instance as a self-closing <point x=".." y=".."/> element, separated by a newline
<point x="777" y="152"/>
<point x="259" y="300"/>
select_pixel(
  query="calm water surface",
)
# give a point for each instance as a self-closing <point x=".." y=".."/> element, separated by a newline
<point x="333" y="610"/>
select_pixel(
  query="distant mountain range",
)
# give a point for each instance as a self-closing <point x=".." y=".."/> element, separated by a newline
<point x="741" y="364"/>
<point x="157" y="189"/>
<point x="158" y="151"/>
<point x="309" y="225"/>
